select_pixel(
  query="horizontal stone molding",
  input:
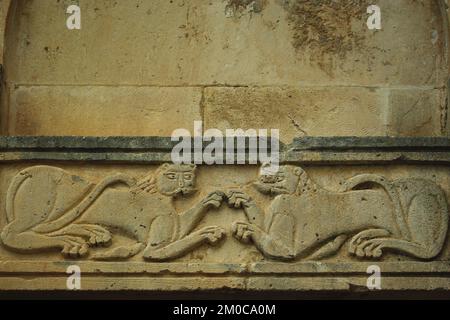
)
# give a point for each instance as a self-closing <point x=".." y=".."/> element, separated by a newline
<point x="329" y="150"/>
<point x="257" y="268"/>
<point x="117" y="262"/>
<point x="252" y="277"/>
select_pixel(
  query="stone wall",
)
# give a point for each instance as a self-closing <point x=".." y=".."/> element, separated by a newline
<point x="86" y="178"/>
<point x="326" y="74"/>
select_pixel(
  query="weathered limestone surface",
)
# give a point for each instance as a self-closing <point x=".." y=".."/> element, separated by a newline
<point x="326" y="112"/>
<point x="219" y="225"/>
<point x="268" y="46"/>
<point x="363" y="118"/>
<point x="4" y="8"/>
<point x="163" y="42"/>
<point x="126" y="224"/>
<point x="405" y="119"/>
<point x="112" y="111"/>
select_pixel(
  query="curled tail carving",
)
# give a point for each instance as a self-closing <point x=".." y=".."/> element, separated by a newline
<point x="12" y="191"/>
<point x="72" y="212"/>
<point x="78" y="210"/>
<point x="389" y="188"/>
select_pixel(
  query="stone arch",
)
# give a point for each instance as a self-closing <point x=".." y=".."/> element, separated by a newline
<point x="200" y="97"/>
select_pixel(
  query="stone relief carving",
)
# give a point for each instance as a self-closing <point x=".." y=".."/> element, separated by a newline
<point x="306" y="221"/>
<point x="48" y="208"/>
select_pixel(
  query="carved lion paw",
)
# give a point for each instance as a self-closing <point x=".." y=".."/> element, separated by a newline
<point x="74" y="247"/>
<point x="368" y="243"/>
<point x="95" y="235"/>
<point x="212" y="234"/>
<point x="237" y="198"/>
<point x="213" y="200"/>
<point x="98" y="235"/>
<point x="369" y="248"/>
<point x="243" y="231"/>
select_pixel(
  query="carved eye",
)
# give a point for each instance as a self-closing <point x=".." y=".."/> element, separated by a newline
<point x="188" y="176"/>
<point x="280" y="178"/>
<point x="171" y="176"/>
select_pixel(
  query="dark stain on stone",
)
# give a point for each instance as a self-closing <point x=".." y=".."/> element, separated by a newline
<point x="238" y="7"/>
<point x="76" y="178"/>
<point x="327" y="27"/>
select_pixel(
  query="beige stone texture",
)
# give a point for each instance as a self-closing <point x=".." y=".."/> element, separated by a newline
<point x="4" y="8"/>
<point x="297" y="112"/>
<point x="131" y="220"/>
<point x="102" y="111"/>
<point x="326" y="112"/>
<point x="214" y="44"/>
<point x="194" y="42"/>
<point x="416" y="112"/>
<point x="229" y="254"/>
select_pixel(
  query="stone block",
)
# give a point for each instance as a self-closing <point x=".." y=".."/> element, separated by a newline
<point x="298" y="111"/>
<point x="199" y="42"/>
<point x="416" y="112"/>
<point x="102" y="111"/>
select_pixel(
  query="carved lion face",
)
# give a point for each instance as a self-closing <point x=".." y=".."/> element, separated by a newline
<point x="284" y="181"/>
<point x="176" y="179"/>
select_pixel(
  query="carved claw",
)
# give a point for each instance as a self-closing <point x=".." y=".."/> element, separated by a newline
<point x="237" y="198"/>
<point x="243" y="231"/>
<point x="214" y="200"/>
<point x="212" y="234"/>
<point x="373" y="248"/>
<point x="95" y="235"/>
<point x="370" y="249"/>
<point x="74" y="247"/>
<point x="360" y="241"/>
<point x="99" y="235"/>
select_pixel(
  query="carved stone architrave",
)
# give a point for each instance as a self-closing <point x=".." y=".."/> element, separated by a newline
<point x="335" y="207"/>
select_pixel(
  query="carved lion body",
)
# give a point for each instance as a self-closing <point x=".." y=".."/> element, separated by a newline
<point x="49" y="208"/>
<point x="408" y="216"/>
<point x="133" y="214"/>
<point x="324" y="215"/>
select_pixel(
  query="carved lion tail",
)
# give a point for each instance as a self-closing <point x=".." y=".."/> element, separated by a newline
<point x="74" y="213"/>
<point x="363" y="180"/>
<point x="12" y="191"/>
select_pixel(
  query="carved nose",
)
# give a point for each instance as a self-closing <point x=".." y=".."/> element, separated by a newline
<point x="180" y="182"/>
<point x="269" y="179"/>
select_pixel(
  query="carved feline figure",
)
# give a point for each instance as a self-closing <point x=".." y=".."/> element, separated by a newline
<point x="306" y="221"/>
<point x="47" y="208"/>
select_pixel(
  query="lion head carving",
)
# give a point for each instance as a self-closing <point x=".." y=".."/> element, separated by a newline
<point x="170" y="180"/>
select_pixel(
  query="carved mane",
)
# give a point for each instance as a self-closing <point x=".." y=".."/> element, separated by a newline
<point x="147" y="183"/>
